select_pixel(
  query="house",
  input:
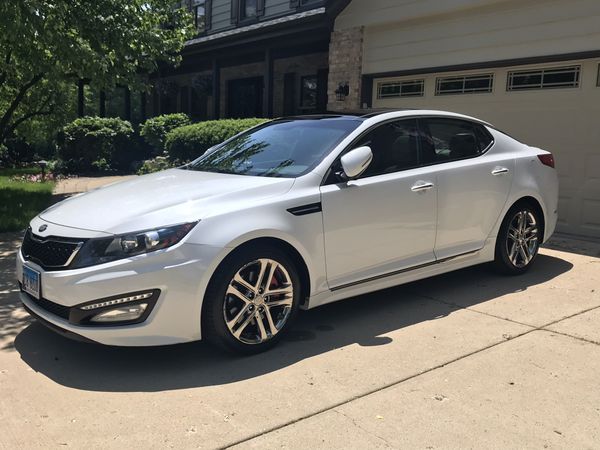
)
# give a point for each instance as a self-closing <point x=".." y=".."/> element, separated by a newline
<point x="252" y="58"/>
<point x="531" y="68"/>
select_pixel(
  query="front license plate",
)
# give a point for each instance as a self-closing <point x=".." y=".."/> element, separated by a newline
<point x="31" y="281"/>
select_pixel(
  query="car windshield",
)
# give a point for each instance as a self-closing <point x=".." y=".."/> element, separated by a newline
<point x="283" y="148"/>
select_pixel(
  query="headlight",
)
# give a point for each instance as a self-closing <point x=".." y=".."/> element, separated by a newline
<point x="103" y="250"/>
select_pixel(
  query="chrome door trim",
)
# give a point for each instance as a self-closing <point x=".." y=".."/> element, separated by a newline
<point x="400" y="271"/>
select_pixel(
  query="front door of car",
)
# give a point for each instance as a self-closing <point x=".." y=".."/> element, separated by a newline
<point x="384" y="221"/>
<point x="473" y="180"/>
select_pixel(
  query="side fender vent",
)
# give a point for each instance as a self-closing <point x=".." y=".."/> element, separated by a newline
<point x="305" y="209"/>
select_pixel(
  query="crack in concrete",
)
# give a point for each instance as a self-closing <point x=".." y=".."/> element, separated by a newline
<point x="373" y="391"/>
<point x="579" y="338"/>
<point x="370" y="433"/>
<point x="334" y="407"/>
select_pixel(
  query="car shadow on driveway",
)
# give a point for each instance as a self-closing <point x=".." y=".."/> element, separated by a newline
<point x="361" y="320"/>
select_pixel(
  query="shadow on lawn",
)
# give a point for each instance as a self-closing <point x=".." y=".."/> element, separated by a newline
<point x="361" y="320"/>
<point x="20" y="202"/>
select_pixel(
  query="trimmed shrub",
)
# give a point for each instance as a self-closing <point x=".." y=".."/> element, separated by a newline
<point x="156" y="165"/>
<point x="190" y="142"/>
<point x="155" y="130"/>
<point x="97" y="144"/>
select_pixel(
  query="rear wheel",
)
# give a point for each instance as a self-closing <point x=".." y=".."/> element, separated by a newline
<point x="252" y="300"/>
<point x="518" y="240"/>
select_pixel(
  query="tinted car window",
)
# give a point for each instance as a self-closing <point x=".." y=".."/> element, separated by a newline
<point x="284" y="148"/>
<point x="452" y="139"/>
<point x="394" y="146"/>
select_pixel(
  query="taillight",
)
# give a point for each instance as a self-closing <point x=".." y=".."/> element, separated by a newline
<point x="547" y="159"/>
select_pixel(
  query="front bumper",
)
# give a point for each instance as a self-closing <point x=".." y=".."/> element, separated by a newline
<point x="181" y="274"/>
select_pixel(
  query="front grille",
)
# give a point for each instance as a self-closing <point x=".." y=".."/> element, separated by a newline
<point x="52" y="253"/>
<point x="51" y="307"/>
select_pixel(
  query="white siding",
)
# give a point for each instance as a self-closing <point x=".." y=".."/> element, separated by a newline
<point x="378" y="12"/>
<point x="277" y="7"/>
<point x="430" y="34"/>
<point x="221" y="16"/>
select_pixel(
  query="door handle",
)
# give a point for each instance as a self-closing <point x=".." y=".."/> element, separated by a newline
<point x="499" y="170"/>
<point x="421" y="186"/>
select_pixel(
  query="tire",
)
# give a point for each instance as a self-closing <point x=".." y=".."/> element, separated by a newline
<point x="518" y="241"/>
<point x="244" y="315"/>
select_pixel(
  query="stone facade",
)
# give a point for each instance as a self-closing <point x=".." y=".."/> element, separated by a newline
<point x="345" y="66"/>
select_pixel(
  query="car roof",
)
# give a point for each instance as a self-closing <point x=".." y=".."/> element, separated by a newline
<point x="375" y="116"/>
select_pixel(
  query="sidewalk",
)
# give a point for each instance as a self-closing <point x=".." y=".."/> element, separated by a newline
<point x="72" y="186"/>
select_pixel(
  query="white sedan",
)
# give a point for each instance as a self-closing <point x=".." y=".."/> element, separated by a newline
<point x="294" y="213"/>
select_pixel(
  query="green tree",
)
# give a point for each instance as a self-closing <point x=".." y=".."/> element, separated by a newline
<point x="48" y="44"/>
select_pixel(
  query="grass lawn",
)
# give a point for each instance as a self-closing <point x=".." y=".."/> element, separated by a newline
<point x="21" y="201"/>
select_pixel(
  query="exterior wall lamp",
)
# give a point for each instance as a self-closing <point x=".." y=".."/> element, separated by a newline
<point x="342" y="91"/>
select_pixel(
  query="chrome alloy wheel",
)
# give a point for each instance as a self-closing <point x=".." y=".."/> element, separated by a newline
<point x="522" y="240"/>
<point x="258" y="301"/>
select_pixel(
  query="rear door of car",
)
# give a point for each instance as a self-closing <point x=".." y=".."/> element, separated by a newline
<point x="473" y="180"/>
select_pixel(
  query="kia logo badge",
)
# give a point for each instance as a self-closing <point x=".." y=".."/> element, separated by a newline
<point x="43" y="228"/>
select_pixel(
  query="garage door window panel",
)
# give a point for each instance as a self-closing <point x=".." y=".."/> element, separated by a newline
<point x="466" y="84"/>
<point x="552" y="78"/>
<point x="395" y="89"/>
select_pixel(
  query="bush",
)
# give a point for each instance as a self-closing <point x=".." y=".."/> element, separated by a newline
<point x="155" y="130"/>
<point x="97" y="143"/>
<point x="156" y="165"/>
<point x="191" y="141"/>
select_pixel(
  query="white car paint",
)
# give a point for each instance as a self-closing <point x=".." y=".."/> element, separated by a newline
<point x="372" y="233"/>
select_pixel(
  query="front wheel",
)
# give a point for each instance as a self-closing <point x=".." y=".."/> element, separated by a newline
<point x="252" y="300"/>
<point x="518" y="240"/>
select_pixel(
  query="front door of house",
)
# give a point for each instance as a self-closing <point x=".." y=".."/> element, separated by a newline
<point x="245" y="98"/>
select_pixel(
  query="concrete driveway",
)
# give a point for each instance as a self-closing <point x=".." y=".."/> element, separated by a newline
<point x="469" y="359"/>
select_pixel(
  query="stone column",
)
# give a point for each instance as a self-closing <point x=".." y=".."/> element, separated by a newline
<point x="345" y="66"/>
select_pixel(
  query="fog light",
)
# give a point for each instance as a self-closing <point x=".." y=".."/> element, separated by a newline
<point x="121" y="314"/>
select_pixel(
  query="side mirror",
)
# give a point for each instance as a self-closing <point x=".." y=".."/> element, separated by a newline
<point x="356" y="161"/>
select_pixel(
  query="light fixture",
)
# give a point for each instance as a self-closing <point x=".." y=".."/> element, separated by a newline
<point x="125" y="309"/>
<point x="118" y="301"/>
<point x="122" y="314"/>
<point x="342" y="91"/>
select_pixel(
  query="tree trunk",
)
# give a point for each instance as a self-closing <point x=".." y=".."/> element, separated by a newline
<point x="8" y="114"/>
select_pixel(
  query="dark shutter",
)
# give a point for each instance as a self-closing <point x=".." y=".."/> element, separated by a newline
<point x="208" y="14"/>
<point x="322" y="76"/>
<point x="260" y="8"/>
<point x="235" y="11"/>
<point x="294" y="3"/>
<point x="289" y="94"/>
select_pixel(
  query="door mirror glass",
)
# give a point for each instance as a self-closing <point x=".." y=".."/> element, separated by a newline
<point x="356" y="161"/>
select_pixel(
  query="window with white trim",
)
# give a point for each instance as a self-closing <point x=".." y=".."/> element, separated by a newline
<point x="393" y="89"/>
<point x="464" y="84"/>
<point x="548" y="78"/>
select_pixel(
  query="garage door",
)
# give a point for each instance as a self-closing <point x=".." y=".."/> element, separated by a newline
<point x="553" y="106"/>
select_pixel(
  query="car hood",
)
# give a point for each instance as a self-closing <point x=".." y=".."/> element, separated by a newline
<point x="163" y="198"/>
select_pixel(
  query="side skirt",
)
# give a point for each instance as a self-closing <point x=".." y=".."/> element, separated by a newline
<point x="403" y="276"/>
